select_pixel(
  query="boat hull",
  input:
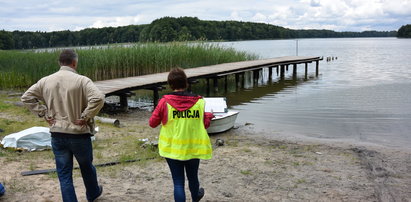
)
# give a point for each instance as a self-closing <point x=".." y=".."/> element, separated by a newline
<point x="222" y="122"/>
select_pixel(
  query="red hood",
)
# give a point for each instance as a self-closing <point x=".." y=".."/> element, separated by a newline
<point x="180" y="102"/>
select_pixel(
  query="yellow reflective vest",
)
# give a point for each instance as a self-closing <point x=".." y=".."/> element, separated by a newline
<point x="184" y="136"/>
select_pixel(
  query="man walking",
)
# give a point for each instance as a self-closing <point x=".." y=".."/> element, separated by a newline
<point x="68" y="102"/>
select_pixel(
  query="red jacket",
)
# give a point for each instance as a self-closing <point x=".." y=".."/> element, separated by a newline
<point x="180" y="101"/>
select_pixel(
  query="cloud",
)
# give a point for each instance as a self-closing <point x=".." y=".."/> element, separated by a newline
<point x="117" y="21"/>
<point x="258" y="17"/>
<point x="341" y="15"/>
<point x="235" y="16"/>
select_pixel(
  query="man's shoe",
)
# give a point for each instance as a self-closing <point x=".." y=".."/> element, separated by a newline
<point x="99" y="194"/>
<point x="201" y="193"/>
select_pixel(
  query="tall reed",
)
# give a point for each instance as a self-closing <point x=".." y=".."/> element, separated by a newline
<point x="20" y="69"/>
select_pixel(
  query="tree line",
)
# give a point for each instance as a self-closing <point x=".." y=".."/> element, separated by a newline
<point x="405" y="31"/>
<point x="169" y="29"/>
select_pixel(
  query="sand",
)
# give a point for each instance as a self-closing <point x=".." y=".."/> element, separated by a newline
<point x="246" y="168"/>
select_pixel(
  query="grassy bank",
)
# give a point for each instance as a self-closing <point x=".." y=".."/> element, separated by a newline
<point x="20" y="69"/>
<point x="112" y="143"/>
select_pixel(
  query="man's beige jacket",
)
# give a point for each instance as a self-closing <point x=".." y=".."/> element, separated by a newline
<point x="65" y="96"/>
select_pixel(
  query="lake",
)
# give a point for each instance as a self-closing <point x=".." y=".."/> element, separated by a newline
<point x="363" y="95"/>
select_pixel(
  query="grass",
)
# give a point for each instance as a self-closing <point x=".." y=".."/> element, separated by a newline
<point x="20" y="69"/>
<point x="111" y="144"/>
<point x="300" y="181"/>
<point x="245" y="172"/>
<point x="14" y="118"/>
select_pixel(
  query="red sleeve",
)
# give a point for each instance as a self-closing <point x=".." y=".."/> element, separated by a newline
<point x="159" y="114"/>
<point x="207" y="119"/>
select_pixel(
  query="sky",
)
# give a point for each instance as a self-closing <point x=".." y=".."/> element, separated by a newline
<point x="74" y="15"/>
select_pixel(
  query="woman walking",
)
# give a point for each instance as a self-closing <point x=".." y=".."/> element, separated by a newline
<point x="183" y="137"/>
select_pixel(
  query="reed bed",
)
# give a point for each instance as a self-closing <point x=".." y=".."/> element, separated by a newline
<point x="20" y="69"/>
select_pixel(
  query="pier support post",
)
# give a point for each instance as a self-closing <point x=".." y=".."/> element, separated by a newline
<point x="242" y="79"/>
<point x="256" y="75"/>
<point x="270" y="72"/>
<point x="306" y="71"/>
<point x="294" y="71"/>
<point x="215" y="82"/>
<point x="190" y="84"/>
<point x="155" y="97"/>
<point x="282" y="72"/>
<point x="123" y="102"/>
<point x="277" y="67"/>
<point x="225" y="83"/>
<point x="316" y="68"/>
<point x="286" y="68"/>
<point x="208" y="87"/>
<point x="237" y="81"/>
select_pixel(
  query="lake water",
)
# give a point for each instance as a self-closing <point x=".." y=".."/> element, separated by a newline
<point x="362" y="96"/>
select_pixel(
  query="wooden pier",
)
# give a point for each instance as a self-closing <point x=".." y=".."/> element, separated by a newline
<point x="122" y="87"/>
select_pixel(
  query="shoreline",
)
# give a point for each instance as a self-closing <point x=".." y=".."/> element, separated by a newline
<point x="334" y="142"/>
<point x="248" y="167"/>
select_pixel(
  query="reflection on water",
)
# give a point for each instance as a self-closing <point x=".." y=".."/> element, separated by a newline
<point x="251" y="90"/>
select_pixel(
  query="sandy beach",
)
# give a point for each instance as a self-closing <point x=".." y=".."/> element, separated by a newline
<point x="246" y="168"/>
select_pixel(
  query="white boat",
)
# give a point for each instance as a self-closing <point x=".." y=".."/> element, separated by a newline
<point x="222" y="121"/>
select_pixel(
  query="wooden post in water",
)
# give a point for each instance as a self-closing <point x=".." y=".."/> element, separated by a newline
<point x="123" y="102"/>
<point x="270" y="72"/>
<point x="282" y="72"/>
<point x="306" y="71"/>
<point x="242" y="79"/>
<point x="237" y="80"/>
<point x="155" y="97"/>
<point x="277" y="69"/>
<point x="294" y="71"/>
<point x="286" y="67"/>
<point x="256" y="75"/>
<point x="316" y="68"/>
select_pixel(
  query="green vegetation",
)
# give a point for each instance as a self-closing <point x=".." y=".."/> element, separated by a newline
<point x="20" y="69"/>
<point x="245" y="172"/>
<point x="405" y="31"/>
<point x="12" y="123"/>
<point x="111" y="144"/>
<point x="168" y="29"/>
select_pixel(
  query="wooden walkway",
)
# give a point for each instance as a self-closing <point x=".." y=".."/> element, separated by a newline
<point x="123" y="86"/>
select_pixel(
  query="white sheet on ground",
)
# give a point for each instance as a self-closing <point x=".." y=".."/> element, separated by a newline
<point x="35" y="138"/>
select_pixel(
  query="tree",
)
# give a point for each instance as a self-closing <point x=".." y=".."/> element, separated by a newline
<point x="404" y="31"/>
<point x="6" y="40"/>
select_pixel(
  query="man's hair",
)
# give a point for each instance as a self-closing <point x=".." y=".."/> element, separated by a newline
<point x="67" y="56"/>
<point x="177" y="79"/>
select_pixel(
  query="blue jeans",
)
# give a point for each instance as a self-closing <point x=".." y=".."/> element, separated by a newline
<point x="81" y="148"/>
<point x="177" y="172"/>
<point x="2" y="190"/>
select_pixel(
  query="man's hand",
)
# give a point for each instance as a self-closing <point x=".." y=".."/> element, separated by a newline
<point x="80" y="122"/>
<point x="50" y="121"/>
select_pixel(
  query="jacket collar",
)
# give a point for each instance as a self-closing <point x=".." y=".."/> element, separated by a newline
<point x="68" y="69"/>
